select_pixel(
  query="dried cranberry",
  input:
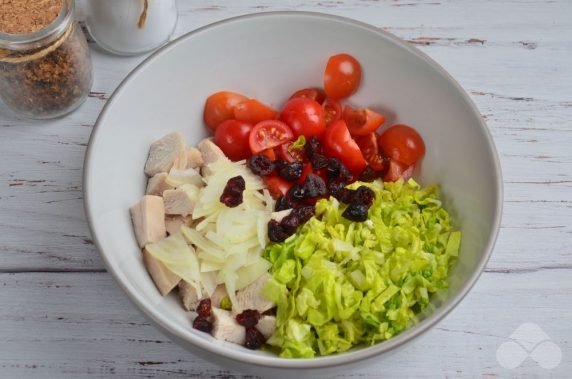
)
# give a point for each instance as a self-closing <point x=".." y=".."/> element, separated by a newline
<point x="282" y="204"/>
<point x="248" y="318"/>
<point x="363" y="195"/>
<point x="202" y="324"/>
<point x="232" y="193"/>
<point x="260" y="165"/>
<point x="304" y="213"/>
<point x="291" y="171"/>
<point x="340" y="192"/>
<point x="314" y="186"/>
<point x="290" y="223"/>
<point x="204" y="308"/>
<point x="319" y="162"/>
<point x="356" y="212"/>
<point x="279" y="164"/>
<point x="295" y="194"/>
<point x="338" y="171"/>
<point x="312" y="146"/>
<point x="275" y="231"/>
<point x="253" y="339"/>
<point x="367" y="175"/>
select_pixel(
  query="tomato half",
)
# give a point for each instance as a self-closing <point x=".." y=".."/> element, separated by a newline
<point x="232" y="138"/>
<point x="268" y="134"/>
<point x="397" y="170"/>
<point x="315" y="94"/>
<point x="332" y="111"/>
<point x="342" y="76"/>
<point x="290" y="155"/>
<point x="338" y="143"/>
<point x="403" y="144"/>
<point x="253" y="111"/>
<point x="304" y="116"/>
<point x="269" y="153"/>
<point x="219" y="107"/>
<point x="370" y="151"/>
<point x="276" y="185"/>
<point x="362" y="121"/>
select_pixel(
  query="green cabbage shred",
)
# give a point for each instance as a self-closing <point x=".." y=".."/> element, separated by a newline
<point x="339" y="284"/>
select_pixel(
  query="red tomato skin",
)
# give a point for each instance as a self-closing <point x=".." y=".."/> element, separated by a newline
<point x="332" y="111"/>
<point x="397" y="170"/>
<point x="370" y="151"/>
<point x="362" y="121"/>
<point x="276" y="185"/>
<point x="338" y="143"/>
<point x="219" y="107"/>
<point x="232" y="137"/>
<point x="315" y="94"/>
<point x="253" y="111"/>
<point x="304" y="116"/>
<point x="342" y="76"/>
<point x="288" y="156"/>
<point x="270" y="153"/>
<point x="268" y="134"/>
<point x="403" y="144"/>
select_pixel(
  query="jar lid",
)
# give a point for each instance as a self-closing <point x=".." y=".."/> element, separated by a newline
<point x="30" y="24"/>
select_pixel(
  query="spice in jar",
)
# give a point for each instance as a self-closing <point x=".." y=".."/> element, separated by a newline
<point x="45" y="65"/>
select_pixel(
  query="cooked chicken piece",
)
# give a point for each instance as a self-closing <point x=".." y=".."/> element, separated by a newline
<point x="188" y="295"/>
<point x="210" y="153"/>
<point x="178" y="178"/>
<point x="194" y="158"/>
<point x="163" y="152"/>
<point x="181" y="201"/>
<point x="181" y="161"/>
<point x="157" y="184"/>
<point x="173" y="223"/>
<point x="218" y="295"/>
<point x="226" y="328"/>
<point x="164" y="279"/>
<point x="266" y="325"/>
<point x="278" y="216"/>
<point x="250" y="297"/>
<point x="148" y="217"/>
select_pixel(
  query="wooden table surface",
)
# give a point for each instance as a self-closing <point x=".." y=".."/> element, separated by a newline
<point x="63" y="316"/>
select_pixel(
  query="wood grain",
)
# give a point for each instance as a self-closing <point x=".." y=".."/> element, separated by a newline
<point x="63" y="316"/>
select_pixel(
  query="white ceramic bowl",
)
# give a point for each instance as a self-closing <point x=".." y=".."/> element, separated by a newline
<point x="268" y="56"/>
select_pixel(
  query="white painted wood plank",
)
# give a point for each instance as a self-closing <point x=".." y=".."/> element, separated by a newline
<point x="81" y="325"/>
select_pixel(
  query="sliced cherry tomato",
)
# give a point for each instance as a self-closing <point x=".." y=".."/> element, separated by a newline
<point x="270" y="153"/>
<point x="370" y="151"/>
<point x="219" y="107"/>
<point x="338" y="143"/>
<point x="290" y="155"/>
<point x="362" y="121"/>
<point x="332" y="111"/>
<point x="268" y="134"/>
<point x="397" y="170"/>
<point x="304" y="116"/>
<point x="315" y="94"/>
<point x="342" y="76"/>
<point x="232" y="138"/>
<point x="403" y="144"/>
<point x="254" y="111"/>
<point x="276" y="185"/>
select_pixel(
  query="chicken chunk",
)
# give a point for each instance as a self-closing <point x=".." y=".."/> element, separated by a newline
<point x="173" y="223"/>
<point x="148" y="217"/>
<point x="181" y="160"/>
<point x="189" y="296"/>
<point x="266" y="325"/>
<point x="164" y="279"/>
<point x="194" y="158"/>
<point x="180" y="201"/>
<point x="210" y="154"/>
<point x="157" y="184"/>
<point x="226" y="328"/>
<point x="250" y="297"/>
<point x="163" y="153"/>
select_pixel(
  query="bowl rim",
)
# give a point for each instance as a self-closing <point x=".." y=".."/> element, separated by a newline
<point x="348" y="357"/>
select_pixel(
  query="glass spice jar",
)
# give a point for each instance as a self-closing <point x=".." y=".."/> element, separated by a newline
<point x="45" y="72"/>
